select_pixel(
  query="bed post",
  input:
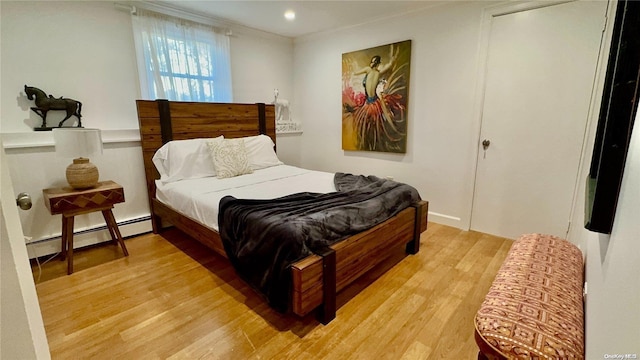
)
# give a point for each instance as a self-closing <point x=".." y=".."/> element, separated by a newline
<point x="166" y="132"/>
<point x="327" y="311"/>
<point x="422" y="208"/>
<point x="262" y="119"/>
<point x="165" y="120"/>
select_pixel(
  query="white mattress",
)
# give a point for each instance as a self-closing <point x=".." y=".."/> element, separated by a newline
<point x="199" y="198"/>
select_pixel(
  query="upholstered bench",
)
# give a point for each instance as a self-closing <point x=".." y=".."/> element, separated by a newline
<point x="534" y="308"/>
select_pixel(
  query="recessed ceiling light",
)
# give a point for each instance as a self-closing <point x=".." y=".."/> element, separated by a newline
<point x="290" y="15"/>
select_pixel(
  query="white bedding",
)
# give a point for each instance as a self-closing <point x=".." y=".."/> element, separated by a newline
<point x="199" y="198"/>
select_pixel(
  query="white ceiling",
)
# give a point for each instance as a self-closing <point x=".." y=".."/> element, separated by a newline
<point x="311" y="16"/>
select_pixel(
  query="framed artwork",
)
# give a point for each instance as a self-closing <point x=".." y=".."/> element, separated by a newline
<point x="375" y="91"/>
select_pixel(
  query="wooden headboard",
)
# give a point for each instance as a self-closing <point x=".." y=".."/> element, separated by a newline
<point x="162" y="121"/>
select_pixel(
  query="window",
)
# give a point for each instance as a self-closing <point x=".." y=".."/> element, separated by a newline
<point x="181" y="60"/>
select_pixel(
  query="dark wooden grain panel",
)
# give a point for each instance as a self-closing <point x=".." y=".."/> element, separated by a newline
<point x="191" y="227"/>
<point x="354" y="257"/>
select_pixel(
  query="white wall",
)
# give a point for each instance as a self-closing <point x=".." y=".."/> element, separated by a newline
<point x="612" y="262"/>
<point x="71" y="49"/>
<point x="614" y="317"/>
<point x="85" y="51"/>
<point x="612" y="309"/>
<point x="442" y="131"/>
<point x="271" y="59"/>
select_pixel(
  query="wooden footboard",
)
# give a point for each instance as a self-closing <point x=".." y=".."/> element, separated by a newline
<point x="355" y="256"/>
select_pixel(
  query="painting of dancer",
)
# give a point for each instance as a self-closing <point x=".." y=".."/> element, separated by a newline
<point x="375" y="91"/>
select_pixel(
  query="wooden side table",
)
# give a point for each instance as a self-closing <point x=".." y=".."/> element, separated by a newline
<point x="71" y="202"/>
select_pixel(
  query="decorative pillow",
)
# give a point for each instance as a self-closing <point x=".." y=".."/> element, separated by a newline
<point x="185" y="159"/>
<point x="260" y="152"/>
<point x="229" y="158"/>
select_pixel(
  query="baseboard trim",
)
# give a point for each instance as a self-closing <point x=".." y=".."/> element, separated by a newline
<point x="445" y="220"/>
<point x="87" y="237"/>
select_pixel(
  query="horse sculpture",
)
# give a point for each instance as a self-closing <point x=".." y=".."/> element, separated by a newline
<point x="282" y="107"/>
<point x="45" y="103"/>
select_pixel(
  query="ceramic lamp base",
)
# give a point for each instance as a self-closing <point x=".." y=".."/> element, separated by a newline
<point x="82" y="174"/>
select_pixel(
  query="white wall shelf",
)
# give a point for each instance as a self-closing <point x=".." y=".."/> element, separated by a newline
<point x="38" y="139"/>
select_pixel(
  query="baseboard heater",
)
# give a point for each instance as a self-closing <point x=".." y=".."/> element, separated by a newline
<point x="128" y="228"/>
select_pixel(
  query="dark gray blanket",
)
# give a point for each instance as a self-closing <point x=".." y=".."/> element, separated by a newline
<point x="263" y="238"/>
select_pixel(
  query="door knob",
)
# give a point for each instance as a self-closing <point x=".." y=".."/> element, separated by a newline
<point x="24" y="201"/>
<point x="485" y="144"/>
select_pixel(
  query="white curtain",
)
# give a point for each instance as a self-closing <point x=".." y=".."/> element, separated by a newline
<point x="181" y="60"/>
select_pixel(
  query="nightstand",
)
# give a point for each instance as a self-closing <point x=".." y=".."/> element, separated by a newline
<point x="71" y="202"/>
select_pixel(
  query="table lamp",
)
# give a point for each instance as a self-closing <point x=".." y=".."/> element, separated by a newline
<point x="79" y="144"/>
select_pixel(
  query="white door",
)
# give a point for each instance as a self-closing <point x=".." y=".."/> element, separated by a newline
<point x="540" y="71"/>
<point x="21" y="326"/>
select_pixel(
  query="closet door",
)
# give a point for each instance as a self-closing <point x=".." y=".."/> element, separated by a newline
<point x="540" y="71"/>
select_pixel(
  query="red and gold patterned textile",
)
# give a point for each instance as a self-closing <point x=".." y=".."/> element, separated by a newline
<point x="534" y="308"/>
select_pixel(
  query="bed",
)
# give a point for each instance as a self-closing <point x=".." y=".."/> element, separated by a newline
<point x="316" y="278"/>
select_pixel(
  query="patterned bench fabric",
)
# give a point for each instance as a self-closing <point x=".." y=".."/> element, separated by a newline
<point x="534" y="308"/>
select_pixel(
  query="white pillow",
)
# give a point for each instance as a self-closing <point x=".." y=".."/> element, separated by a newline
<point x="184" y="159"/>
<point x="260" y="152"/>
<point x="229" y="158"/>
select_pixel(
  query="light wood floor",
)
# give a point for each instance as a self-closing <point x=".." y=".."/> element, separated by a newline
<point x="172" y="298"/>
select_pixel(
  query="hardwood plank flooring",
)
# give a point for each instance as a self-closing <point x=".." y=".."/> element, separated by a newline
<point x="172" y="298"/>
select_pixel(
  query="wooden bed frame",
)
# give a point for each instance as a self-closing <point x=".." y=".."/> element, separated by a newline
<point x="315" y="279"/>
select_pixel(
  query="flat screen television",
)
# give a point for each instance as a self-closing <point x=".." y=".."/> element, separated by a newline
<point x="615" y="121"/>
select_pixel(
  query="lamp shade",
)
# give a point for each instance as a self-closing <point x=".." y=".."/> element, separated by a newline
<point x="79" y="144"/>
